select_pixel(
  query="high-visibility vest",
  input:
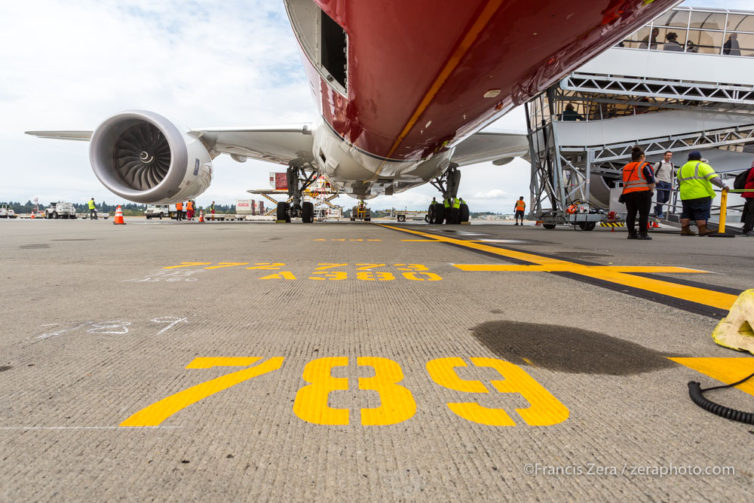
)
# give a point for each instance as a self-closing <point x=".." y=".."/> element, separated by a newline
<point x="91" y="205"/>
<point x="446" y="202"/>
<point x="456" y="203"/>
<point x="178" y="206"/>
<point x="520" y="205"/>
<point x="694" y="179"/>
<point x="633" y="178"/>
<point x="189" y="206"/>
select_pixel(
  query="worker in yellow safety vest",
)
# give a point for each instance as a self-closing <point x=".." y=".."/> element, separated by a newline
<point x="519" y="209"/>
<point x="695" y="179"/>
<point x="92" y="210"/>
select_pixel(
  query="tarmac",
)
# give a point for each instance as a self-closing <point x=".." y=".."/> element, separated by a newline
<point x="367" y="362"/>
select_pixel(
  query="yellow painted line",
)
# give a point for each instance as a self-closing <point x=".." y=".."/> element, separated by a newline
<point x="577" y="268"/>
<point x="604" y="273"/>
<point x="421" y="241"/>
<point x="692" y="294"/>
<point x="527" y="257"/>
<point x="726" y="370"/>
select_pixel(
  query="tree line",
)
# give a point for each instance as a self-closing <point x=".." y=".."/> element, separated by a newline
<point x="128" y="208"/>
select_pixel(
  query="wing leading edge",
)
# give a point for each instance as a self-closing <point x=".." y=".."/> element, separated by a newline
<point x="498" y="147"/>
<point x="276" y="144"/>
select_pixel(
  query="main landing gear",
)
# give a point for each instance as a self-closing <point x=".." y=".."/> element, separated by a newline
<point x="456" y="211"/>
<point x="298" y="181"/>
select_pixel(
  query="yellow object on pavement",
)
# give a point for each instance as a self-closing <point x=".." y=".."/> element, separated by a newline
<point x="736" y="331"/>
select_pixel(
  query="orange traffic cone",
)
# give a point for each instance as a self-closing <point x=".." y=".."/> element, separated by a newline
<point x="655" y="225"/>
<point x="32" y="215"/>
<point x="201" y="216"/>
<point x="118" y="220"/>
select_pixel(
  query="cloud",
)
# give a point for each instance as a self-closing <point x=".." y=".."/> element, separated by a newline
<point x="490" y="194"/>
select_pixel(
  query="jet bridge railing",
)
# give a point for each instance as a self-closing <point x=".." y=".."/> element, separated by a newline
<point x="697" y="30"/>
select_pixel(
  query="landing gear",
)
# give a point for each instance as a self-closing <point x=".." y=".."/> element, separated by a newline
<point x="307" y="212"/>
<point x="456" y="211"/>
<point x="298" y="181"/>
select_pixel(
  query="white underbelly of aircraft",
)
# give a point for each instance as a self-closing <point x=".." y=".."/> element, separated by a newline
<point x="362" y="175"/>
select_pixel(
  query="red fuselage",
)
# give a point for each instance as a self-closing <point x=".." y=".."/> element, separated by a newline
<point x="419" y="70"/>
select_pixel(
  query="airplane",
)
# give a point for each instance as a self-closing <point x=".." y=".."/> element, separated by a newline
<point x="404" y="90"/>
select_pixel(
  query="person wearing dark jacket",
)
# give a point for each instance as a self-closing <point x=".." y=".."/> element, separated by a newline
<point x="638" y="184"/>
<point x="747" y="217"/>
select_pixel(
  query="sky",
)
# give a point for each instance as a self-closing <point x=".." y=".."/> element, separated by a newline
<point x="69" y="65"/>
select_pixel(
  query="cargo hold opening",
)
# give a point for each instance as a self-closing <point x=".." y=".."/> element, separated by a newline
<point x="334" y="47"/>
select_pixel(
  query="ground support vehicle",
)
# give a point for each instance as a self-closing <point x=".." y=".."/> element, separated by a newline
<point x="158" y="211"/>
<point x="404" y="215"/>
<point x="6" y="211"/>
<point x="361" y="213"/>
<point x="60" y="209"/>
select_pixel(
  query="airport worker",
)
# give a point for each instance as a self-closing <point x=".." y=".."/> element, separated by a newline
<point x="695" y="179"/>
<point x="179" y="211"/>
<point x="455" y="211"/>
<point x="212" y="208"/>
<point x="638" y="182"/>
<point x="519" y="208"/>
<point x="92" y="210"/>
<point x="664" y="170"/>
<point x="189" y="210"/>
<point x="747" y="217"/>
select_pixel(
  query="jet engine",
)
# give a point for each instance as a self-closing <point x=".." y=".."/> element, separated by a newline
<point x="141" y="156"/>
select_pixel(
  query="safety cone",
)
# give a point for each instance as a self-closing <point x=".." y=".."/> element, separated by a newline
<point x="32" y="215"/>
<point x="118" y="220"/>
<point x="655" y="225"/>
<point x="201" y="216"/>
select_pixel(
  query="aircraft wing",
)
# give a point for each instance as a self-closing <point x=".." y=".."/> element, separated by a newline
<point x="272" y="144"/>
<point x="498" y="147"/>
<point x="63" y="135"/>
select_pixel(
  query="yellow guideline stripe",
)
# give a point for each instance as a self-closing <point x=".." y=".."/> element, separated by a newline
<point x="604" y="273"/>
<point x="574" y="268"/>
<point x="727" y="370"/>
<point x="421" y="241"/>
<point x="526" y="257"/>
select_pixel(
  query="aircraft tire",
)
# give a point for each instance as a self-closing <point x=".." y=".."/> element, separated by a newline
<point x="464" y="213"/>
<point x="282" y="212"/>
<point x="439" y="214"/>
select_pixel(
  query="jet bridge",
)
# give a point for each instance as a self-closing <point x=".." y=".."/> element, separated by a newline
<point x="696" y="93"/>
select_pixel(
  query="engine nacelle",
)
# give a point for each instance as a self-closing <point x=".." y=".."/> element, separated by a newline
<point x="141" y="156"/>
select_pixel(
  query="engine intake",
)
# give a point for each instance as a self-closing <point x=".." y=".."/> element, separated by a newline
<point x="141" y="156"/>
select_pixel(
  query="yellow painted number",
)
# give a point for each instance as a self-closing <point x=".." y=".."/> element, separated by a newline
<point x="158" y="412"/>
<point x="322" y="274"/>
<point x="375" y="276"/>
<point x="221" y="265"/>
<point x="312" y="401"/>
<point x="187" y="264"/>
<point x="544" y="408"/>
<point x="417" y="272"/>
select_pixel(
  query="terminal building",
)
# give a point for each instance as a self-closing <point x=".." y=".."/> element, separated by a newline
<point x="684" y="82"/>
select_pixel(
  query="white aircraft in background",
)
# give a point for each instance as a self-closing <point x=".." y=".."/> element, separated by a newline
<point x="403" y="88"/>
